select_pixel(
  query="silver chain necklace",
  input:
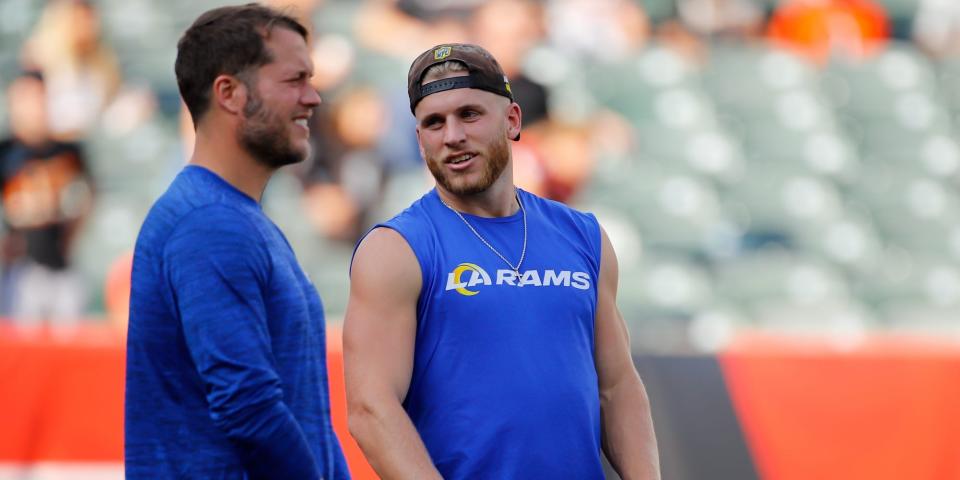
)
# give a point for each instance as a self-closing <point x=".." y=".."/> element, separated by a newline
<point x="523" y="252"/>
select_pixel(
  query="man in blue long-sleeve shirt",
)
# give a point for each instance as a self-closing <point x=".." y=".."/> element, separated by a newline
<point x="226" y="353"/>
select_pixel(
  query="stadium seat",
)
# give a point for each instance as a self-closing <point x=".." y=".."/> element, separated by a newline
<point x="655" y="86"/>
<point x="909" y="210"/>
<point x="109" y="231"/>
<point x="908" y="278"/>
<point x="821" y="151"/>
<point x="849" y="242"/>
<point x="747" y="80"/>
<point x="891" y="139"/>
<point x="872" y="89"/>
<point x="922" y="319"/>
<point x="948" y="75"/>
<point x="844" y="322"/>
<point x="667" y="282"/>
<point x="283" y="203"/>
<point x="329" y="271"/>
<point x="713" y="327"/>
<point x="708" y="152"/>
<point x="660" y="297"/>
<point x="140" y="162"/>
<point x="402" y="189"/>
<point x="774" y="197"/>
<point x="779" y="276"/>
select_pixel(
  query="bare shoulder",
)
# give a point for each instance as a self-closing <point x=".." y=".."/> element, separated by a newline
<point x="608" y="257"/>
<point x="384" y="258"/>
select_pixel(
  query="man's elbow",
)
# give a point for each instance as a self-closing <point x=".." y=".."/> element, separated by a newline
<point x="358" y="416"/>
<point x="362" y="418"/>
<point x="245" y="423"/>
<point x="627" y="388"/>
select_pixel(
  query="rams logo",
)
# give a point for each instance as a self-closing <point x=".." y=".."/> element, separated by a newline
<point x="441" y="53"/>
<point x="477" y="277"/>
<point x="467" y="277"/>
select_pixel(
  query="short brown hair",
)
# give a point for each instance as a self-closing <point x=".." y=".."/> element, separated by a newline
<point x="226" y="40"/>
<point x="440" y="69"/>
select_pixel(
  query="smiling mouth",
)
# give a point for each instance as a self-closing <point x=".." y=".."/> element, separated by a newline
<point x="460" y="159"/>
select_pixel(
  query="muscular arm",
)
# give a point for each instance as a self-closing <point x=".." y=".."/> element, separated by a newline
<point x="628" y="437"/>
<point x="378" y="343"/>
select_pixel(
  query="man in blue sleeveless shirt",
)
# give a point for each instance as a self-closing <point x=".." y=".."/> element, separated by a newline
<point x="482" y="338"/>
<point x="226" y="351"/>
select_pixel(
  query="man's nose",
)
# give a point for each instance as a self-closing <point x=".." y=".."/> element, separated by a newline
<point x="310" y="97"/>
<point x="454" y="133"/>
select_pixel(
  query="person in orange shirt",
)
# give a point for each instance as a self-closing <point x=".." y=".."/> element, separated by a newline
<point x="819" y="29"/>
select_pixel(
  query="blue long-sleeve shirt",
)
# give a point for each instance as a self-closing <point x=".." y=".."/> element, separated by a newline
<point x="226" y="355"/>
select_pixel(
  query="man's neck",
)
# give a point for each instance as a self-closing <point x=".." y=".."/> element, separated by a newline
<point x="497" y="201"/>
<point x="232" y="163"/>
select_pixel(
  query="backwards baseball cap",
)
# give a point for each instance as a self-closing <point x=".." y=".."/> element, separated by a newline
<point x="484" y="72"/>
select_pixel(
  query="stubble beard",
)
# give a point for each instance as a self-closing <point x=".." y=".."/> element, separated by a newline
<point x="267" y="137"/>
<point x="497" y="156"/>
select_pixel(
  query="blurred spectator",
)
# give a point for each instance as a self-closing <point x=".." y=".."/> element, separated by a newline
<point x="819" y="29"/>
<point x="80" y="69"/>
<point x="399" y="145"/>
<point x="567" y="158"/>
<point x="302" y="10"/>
<point x="187" y="132"/>
<point x="345" y="176"/>
<point x="722" y="18"/>
<point x="433" y="9"/>
<point x="936" y="27"/>
<point x="529" y="172"/>
<point x="384" y="27"/>
<point x="116" y="291"/>
<point x="334" y="58"/>
<point x="509" y="29"/>
<point x="548" y="156"/>
<point x="46" y="192"/>
<point x="606" y="30"/>
<point x="674" y="35"/>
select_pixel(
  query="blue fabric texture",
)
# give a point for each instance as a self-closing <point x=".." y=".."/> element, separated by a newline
<point x="504" y="383"/>
<point x="226" y="354"/>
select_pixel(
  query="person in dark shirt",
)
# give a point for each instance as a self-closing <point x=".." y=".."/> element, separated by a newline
<point x="226" y="347"/>
<point x="46" y="192"/>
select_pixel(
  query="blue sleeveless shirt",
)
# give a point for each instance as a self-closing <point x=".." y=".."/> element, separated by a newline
<point x="504" y="383"/>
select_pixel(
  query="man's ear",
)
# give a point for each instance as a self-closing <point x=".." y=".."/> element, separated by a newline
<point x="420" y="145"/>
<point x="514" y="120"/>
<point x="230" y="94"/>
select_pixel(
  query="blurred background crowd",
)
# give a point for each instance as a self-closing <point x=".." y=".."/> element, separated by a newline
<point x="789" y="166"/>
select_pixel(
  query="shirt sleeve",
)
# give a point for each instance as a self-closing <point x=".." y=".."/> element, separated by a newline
<point x="217" y="266"/>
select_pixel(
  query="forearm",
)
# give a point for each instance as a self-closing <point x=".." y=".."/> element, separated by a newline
<point x="628" y="435"/>
<point x="390" y="441"/>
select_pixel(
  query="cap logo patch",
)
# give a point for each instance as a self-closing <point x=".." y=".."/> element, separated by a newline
<point x="441" y="53"/>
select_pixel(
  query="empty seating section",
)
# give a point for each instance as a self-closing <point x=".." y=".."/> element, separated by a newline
<point x="768" y="192"/>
